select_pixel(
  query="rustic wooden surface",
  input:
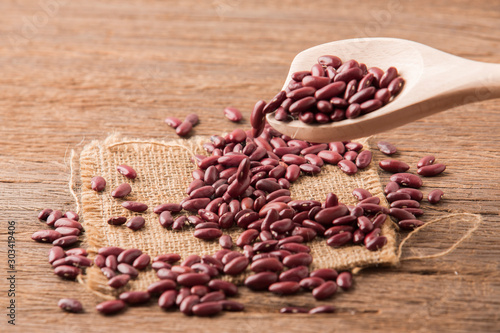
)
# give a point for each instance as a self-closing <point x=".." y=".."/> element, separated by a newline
<point x="72" y="72"/>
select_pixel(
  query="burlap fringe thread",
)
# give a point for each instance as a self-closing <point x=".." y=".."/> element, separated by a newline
<point x="164" y="172"/>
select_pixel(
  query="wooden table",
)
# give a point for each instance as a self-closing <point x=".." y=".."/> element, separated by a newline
<point x="72" y="72"/>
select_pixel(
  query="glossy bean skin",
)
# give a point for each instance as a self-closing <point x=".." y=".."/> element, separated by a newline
<point x="233" y="114"/>
<point x="98" y="183"/>
<point x="325" y="290"/>
<point x="435" y="196"/>
<point x="431" y="170"/>
<point x="284" y="288"/>
<point x="111" y="307"/>
<point x="407" y="179"/>
<point x="386" y="147"/>
<point x="135" y="206"/>
<point x="127" y="171"/>
<point x="261" y="280"/>
<point x="426" y="160"/>
<point x="322" y="309"/>
<point x="70" y="305"/>
<point x="344" y="280"/>
<point x="393" y="166"/>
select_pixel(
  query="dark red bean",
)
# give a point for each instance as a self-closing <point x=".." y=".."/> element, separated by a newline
<point x="284" y="288"/>
<point x="127" y="171"/>
<point x="415" y="211"/>
<point x="67" y="272"/>
<point x="192" y="118"/>
<point x="70" y="305"/>
<point x="329" y="60"/>
<point x="184" y="128"/>
<point x="407" y="179"/>
<point x="267" y="264"/>
<point x="390" y="74"/>
<point x="65" y="222"/>
<point x="118" y="281"/>
<point x="160" y="287"/>
<point x="135" y="206"/>
<point x="339" y="240"/>
<point x="186" y="306"/>
<point x="325" y="290"/>
<point x="207" y="309"/>
<point x="166" y="219"/>
<point x="376" y="243"/>
<point x="199" y="290"/>
<point x="275" y="102"/>
<point x="394" y="166"/>
<point x="348" y="167"/>
<point x="425" y="161"/>
<point x="192" y="279"/>
<point x="213" y="296"/>
<point x="322" y="309"/>
<point x="65" y="241"/>
<point x="383" y="95"/>
<point x="228" y="288"/>
<point x="167" y="299"/>
<point x="98" y="183"/>
<point x="46" y="236"/>
<point x="142" y="261"/>
<point x="431" y="170"/>
<point x="327" y="215"/>
<point x="233" y="114"/>
<point x="110" y="250"/>
<point x="294" y="274"/>
<point x="208" y="233"/>
<point x="173" y="122"/>
<point x="226" y="242"/>
<point x="386" y="147"/>
<point x="55" y="253"/>
<point x="79" y="261"/>
<point x="228" y="305"/>
<point x="111" y="307"/>
<point x="261" y="281"/>
<point x="354" y="73"/>
<point x="395" y="196"/>
<point x="415" y="194"/>
<point x="309" y="283"/>
<point x="395" y="86"/>
<point x="410" y="224"/>
<point x="66" y="231"/>
<point x="361" y="194"/>
<point x="71" y="215"/>
<point x="401" y="214"/>
<point x="136" y="223"/>
<point x="236" y="266"/>
<point x="405" y="204"/>
<point x="121" y="191"/>
<point x="127" y="269"/>
<point x="53" y="217"/>
<point x="391" y="187"/>
<point x="108" y="272"/>
<point x="44" y="214"/>
<point x="194" y="205"/>
<point x="325" y="274"/>
<point x="298" y="259"/>
<point x="344" y="280"/>
<point x="128" y="256"/>
<point x="435" y="196"/>
<point x="117" y="220"/>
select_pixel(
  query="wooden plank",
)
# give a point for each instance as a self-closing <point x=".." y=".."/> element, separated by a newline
<point x="88" y="69"/>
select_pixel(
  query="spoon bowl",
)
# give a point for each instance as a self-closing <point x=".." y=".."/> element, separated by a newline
<point x="434" y="81"/>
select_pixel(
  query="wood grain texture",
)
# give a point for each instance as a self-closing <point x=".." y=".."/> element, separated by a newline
<point x="77" y="71"/>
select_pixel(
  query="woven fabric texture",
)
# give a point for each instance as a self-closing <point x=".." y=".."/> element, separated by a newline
<point x="164" y="172"/>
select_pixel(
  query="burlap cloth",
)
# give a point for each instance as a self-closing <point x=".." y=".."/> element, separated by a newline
<point x="164" y="172"/>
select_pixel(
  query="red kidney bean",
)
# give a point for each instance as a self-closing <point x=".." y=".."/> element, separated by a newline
<point x="292" y="173"/>
<point x="401" y="214"/>
<point x="376" y="243"/>
<point x="348" y="167"/>
<point x="261" y="281"/>
<point x="208" y="233"/>
<point x="275" y="102"/>
<point x="410" y="224"/>
<point x="111" y="262"/>
<point x="111" y="307"/>
<point x="127" y="269"/>
<point x="167" y="299"/>
<point x="98" y="183"/>
<point x="44" y="214"/>
<point x="65" y="222"/>
<point x="435" y="196"/>
<point x="228" y="305"/>
<point x="383" y="95"/>
<point x="119" y="281"/>
<point x="166" y="274"/>
<point x="316" y="82"/>
<point x="142" y="261"/>
<point x="386" y="147"/>
<point x="202" y="192"/>
<point x="183" y="293"/>
<point x="136" y="223"/>
<point x="377" y="73"/>
<point x="70" y="305"/>
<point x="391" y="187"/>
<point x="160" y="287"/>
<point x="431" y="170"/>
<point x="53" y="217"/>
<point x="310" y="283"/>
<point x="364" y="224"/>
<point x="325" y="274"/>
<point x="298" y="76"/>
<point x="127" y="171"/>
<point x="344" y="280"/>
<point x="407" y="179"/>
<point x="108" y="272"/>
<point x="233" y="114"/>
<point x="301" y="93"/>
<point x="170" y="258"/>
<point x="79" y="261"/>
<point x="339" y="240"/>
<point x="340" y="228"/>
<point x="393" y="166"/>
<point x="330" y="157"/>
<point x="415" y="211"/>
<point x="361" y="194"/>
<point x="405" y="204"/>
<point x="226" y="242"/>
<point x="302" y="105"/>
<point x="71" y="215"/>
<point x="329" y="60"/>
<point x="370" y="105"/>
<point x="294" y="274"/>
<point x="55" y="253"/>
<point x="265" y="246"/>
<point x="186" y="306"/>
<point x="354" y="73"/>
<point x="362" y="95"/>
<point x="236" y="266"/>
<point x="363" y="159"/>
<point x="66" y="231"/>
<point x="192" y="118"/>
<point x="330" y="90"/>
<point x="324" y="107"/>
<point x="298" y="259"/>
<point x="284" y="288"/>
<point x="65" y="241"/>
<point x="207" y="309"/>
<point x="193" y="279"/>
<point x="228" y="288"/>
<point x="310" y="169"/>
<point x="194" y="205"/>
<point x="396" y="85"/>
<point x="117" y="220"/>
<point x="166" y="219"/>
<point x="213" y="296"/>
<point x="395" y="196"/>
<point x="327" y="215"/>
<point x="110" y="250"/>
<point x="390" y="74"/>
<point x="67" y="272"/>
<point x="325" y="290"/>
<point x="351" y="156"/>
<point x="415" y="194"/>
<point x="135" y="206"/>
<point x="199" y="290"/>
<point x="128" y="256"/>
<point x="266" y="264"/>
<point x="184" y="128"/>
<point x="425" y="161"/>
<point x="173" y="122"/>
<point x="121" y="191"/>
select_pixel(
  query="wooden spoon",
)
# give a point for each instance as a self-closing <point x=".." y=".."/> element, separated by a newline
<point x="435" y="81"/>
